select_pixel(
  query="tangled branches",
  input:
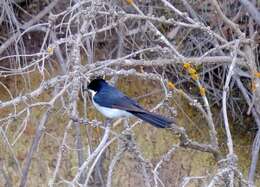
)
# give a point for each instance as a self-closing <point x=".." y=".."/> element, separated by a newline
<point x="201" y="53"/>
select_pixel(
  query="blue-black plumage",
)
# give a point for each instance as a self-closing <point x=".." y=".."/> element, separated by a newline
<point x="112" y="103"/>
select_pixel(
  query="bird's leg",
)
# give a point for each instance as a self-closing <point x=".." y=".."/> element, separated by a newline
<point x="127" y="132"/>
<point x="108" y="122"/>
<point x="126" y="123"/>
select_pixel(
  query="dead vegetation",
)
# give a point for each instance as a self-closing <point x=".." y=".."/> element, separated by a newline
<point x="197" y="61"/>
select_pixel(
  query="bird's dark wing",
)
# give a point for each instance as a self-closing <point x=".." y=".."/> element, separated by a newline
<point x="113" y="98"/>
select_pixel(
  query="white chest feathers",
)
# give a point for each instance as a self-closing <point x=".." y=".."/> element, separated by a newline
<point x="109" y="112"/>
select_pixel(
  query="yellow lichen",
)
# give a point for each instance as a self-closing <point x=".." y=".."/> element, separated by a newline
<point x="50" y="50"/>
<point x="192" y="71"/>
<point x="257" y="74"/>
<point x="186" y="65"/>
<point x="253" y="86"/>
<point x="171" y="85"/>
<point x="195" y="77"/>
<point x="202" y="91"/>
<point x="130" y="2"/>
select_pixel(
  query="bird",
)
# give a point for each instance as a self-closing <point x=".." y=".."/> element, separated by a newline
<point x="113" y="104"/>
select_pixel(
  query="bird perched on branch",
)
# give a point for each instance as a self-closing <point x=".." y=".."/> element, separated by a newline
<point x="112" y="103"/>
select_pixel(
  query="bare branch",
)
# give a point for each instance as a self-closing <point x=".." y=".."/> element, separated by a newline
<point x="252" y="10"/>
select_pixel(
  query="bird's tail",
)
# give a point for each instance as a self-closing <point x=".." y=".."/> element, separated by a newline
<point x="154" y="119"/>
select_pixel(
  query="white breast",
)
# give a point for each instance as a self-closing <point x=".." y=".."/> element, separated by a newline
<point x="109" y="112"/>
